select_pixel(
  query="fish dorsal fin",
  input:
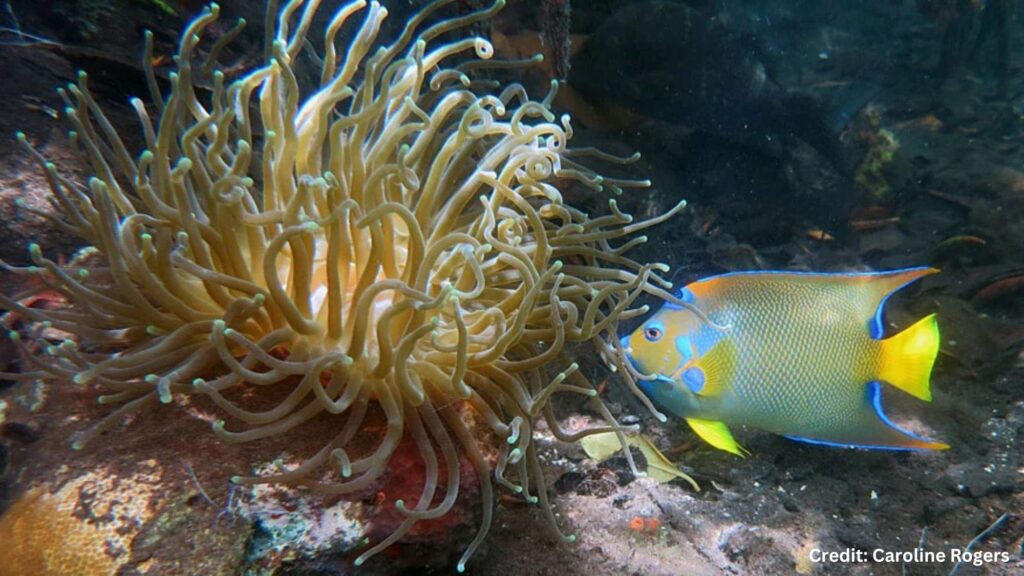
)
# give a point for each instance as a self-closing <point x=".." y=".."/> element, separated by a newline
<point x="717" y="434"/>
<point x="884" y="284"/>
<point x="873" y="287"/>
<point x="711" y="374"/>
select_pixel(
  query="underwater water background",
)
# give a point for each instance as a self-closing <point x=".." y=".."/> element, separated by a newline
<point x="828" y="136"/>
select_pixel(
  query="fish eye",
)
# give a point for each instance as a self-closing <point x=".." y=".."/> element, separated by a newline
<point x="652" y="333"/>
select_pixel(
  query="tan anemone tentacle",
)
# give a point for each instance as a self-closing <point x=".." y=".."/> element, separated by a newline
<point x="390" y="243"/>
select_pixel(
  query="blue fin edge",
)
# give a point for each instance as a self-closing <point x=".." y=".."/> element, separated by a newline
<point x="876" y="328"/>
<point x="875" y="398"/>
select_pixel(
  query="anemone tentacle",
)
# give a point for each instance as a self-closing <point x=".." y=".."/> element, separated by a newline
<point x="392" y="237"/>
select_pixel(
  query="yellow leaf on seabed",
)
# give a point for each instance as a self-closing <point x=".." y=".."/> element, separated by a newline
<point x="604" y="445"/>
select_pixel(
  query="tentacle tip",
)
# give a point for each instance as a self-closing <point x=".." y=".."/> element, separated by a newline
<point x="77" y="444"/>
<point x="21" y="136"/>
<point x="569" y="538"/>
<point x="359" y="561"/>
<point x="237" y="480"/>
<point x="461" y="567"/>
<point x="661" y="417"/>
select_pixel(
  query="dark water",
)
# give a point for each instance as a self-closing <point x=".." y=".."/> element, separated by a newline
<point x="813" y="136"/>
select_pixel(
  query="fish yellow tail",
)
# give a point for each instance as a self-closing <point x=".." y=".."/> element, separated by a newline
<point x="907" y="358"/>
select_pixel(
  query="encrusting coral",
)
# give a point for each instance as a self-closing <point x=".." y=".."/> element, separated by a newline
<point x="42" y="538"/>
<point x="393" y="239"/>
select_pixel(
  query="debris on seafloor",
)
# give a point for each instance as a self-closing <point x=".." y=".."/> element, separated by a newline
<point x="603" y="446"/>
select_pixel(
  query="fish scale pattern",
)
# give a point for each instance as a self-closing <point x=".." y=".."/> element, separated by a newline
<point x="801" y="355"/>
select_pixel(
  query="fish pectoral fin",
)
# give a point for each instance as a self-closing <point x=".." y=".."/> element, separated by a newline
<point x="907" y="358"/>
<point x="717" y="434"/>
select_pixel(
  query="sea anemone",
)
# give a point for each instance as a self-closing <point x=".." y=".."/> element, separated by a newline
<point x="393" y="238"/>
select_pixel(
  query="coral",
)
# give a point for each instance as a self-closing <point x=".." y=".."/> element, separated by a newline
<point x="389" y="249"/>
<point x="84" y="529"/>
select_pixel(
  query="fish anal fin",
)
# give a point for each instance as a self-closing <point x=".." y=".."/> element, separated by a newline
<point x="907" y="358"/>
<point x="910" y="444"/>
<point x="903" y="438"/>
<point x="717" y="434"/>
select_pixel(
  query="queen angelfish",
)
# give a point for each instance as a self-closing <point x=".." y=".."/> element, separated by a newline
<point x="798" y="354"/>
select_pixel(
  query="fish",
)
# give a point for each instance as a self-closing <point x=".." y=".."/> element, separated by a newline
<point x="800" y="354"/>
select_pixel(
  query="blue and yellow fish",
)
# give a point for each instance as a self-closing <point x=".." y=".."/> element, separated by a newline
<point x="798" y="354"/>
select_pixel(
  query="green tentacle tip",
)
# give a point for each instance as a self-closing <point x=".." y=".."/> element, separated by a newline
<point x="198" y="382"/>
<point x="517" y="489"/>
<point x="219" y="326"/>
<point x="359" y="561"/>
<point x="77" y="444"/>
<point x="570" y="538"/>
<point x="20" y="202"/>
<point x="461" y="567"/>
<point x="151" y="378"/>
<point x="229" y="332"/>
<point x="235" y="480"/>
<point x="661" y="417"/>
<point x="83" y="273"/>
<point x="218" y="426"/>
<point x="82" y="378"/>
<point x="259" y="299"/>
<point x="21" y="136"/>
<point x="35" y="250"/>
<point x="532" y="499"/>
<point x="14" y="336"/>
